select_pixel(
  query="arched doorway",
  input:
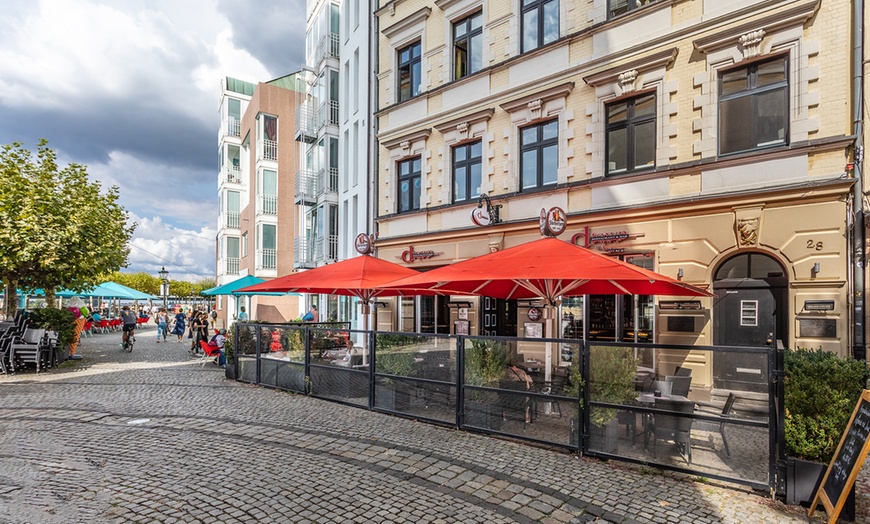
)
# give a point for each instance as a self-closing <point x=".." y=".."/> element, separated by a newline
<point x="750" y="309"/>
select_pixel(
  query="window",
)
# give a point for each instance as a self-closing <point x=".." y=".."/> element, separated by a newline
<point x="753" y="106"/>
<point x="244" y="244"/>
<point x="540" y="23"/>
<point x="269" y="244"/>
<point x="267" y="192"/>
<point x="631" y="134"/>
<point x="468" y="45"/>
<point x="233" y="209"/>
<point x="618" y="7"/>
<point x="539" y="154"/>
<point x="409" y="184"/>
<point x="466" y="171"/>
<point x="409" y="71"/>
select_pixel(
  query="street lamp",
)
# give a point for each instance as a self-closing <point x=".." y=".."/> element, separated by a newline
<point x="164" y="284"/>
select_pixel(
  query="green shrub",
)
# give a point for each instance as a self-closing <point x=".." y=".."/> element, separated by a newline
<point x="821" y="389"/>
<point x="396" y="363"/>
<point x="485" y="362"/>
<point x="611" y="380"/>
<point x="229" y="350"/>
<point x="60" y="320"/>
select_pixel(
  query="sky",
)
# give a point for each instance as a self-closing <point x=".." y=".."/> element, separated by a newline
<point x="130" y="88"/>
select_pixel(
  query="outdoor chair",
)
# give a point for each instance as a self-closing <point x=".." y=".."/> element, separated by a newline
<point x="674" y="427"/>
<point x="208" y="352"/>
<point x="724" y="415"/>
<point x="5" y="351"/>
<point x="86" y="329"/>
<point x="30" y="348"/>
<point x="556" y="388"/>
<point x="103" y="326"/>
<point x="513" y="403"/>
<point x="683" y="372"/>
<point x="679" y="385"/>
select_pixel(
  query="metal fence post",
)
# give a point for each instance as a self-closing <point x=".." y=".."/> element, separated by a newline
<point x="583" y="430"/>
<point x="257" y="354"/>
<point x="776" y="417"/>
<point x="460" y="379"/>
<point x="371" y="338"/>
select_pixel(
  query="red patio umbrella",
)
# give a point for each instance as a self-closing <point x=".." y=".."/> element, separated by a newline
<point x="545" y="269"/>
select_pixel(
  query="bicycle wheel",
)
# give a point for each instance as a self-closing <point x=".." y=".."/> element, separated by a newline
<point x="130" y="340"/>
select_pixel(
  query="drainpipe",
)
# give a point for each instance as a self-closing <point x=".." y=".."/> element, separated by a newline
<point x="858" y="269"/>
<point x="371" y="149"/>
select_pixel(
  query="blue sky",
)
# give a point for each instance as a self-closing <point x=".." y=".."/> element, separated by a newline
<point x="130" y="89"/>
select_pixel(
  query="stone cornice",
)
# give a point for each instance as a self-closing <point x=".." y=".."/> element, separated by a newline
<point x="407" y="22"/>
<point x="422" y="134"/>
<point x="640" y="65"/>
<point x="549" y="94"/>
<point x="472" y="118"/>
<point x="797" y="15"/>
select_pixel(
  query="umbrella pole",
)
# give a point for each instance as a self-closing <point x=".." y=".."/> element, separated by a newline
<point x="366" y="311"/>
<point x="549" y="320"/>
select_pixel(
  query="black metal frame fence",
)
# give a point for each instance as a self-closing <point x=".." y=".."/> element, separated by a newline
<point x="607" y="400"/>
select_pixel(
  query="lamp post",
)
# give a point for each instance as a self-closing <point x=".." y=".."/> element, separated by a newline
<point x="164" y="285"/>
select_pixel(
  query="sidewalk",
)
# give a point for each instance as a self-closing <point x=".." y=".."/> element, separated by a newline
<point x="151" y="436"/>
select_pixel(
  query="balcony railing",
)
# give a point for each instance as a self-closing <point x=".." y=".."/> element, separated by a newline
<point x="306" y="187"/>
<point x="231" y="266"/>
<point x="327" y="181"/>
<point x="303" y="253"/>
<point x="328" y="113"/>
<point x="267" y="205"/>
<point x="267" y="149"/>
<point x="233" y="219"/>
<point x="326" y="248"/>
<point x="267" y="259"/>
<point x="327" y="48"/>
<point x="233" y="174"/>
<point x="306" y="123"/>
<point x="232" y="127"/>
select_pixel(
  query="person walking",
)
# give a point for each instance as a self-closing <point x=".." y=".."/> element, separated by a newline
<point x="162" y="320"/>
<point x="179" y="325"/>
<point x="199" y="327"/>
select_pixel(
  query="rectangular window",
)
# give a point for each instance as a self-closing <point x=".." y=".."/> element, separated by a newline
<point x="748" y="312"/>
<point x="540" y="23"/>
<point x="466" y="171"/>
<point x="618" y="7"/>
<point x="267" y="192"/>
<point x="409" y="184"/>
<point x="753" y="106"/>
<point x="631" y="134"/>
<point x="468" y="45"/>
<point x="409" y="71"/>
<point x="539" y="155"/>
<point x="244" y="244"/>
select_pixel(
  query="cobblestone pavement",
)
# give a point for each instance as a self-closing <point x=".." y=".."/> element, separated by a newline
<point x="151" y="436"/>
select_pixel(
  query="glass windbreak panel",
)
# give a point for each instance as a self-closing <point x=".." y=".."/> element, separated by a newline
<point x="602" y="317"/>
<point x="572" y="325"/>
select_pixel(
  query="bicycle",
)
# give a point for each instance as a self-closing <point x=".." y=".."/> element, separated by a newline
<point x="128" y="345"/>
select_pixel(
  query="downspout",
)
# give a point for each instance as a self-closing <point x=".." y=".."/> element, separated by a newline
<point x="858" y="228"/>
<point x="371" y="149"/>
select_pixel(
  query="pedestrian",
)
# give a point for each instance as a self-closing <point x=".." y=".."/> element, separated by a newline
<point x="213" y="316"/>
<point x="179" y="325"/>
<point x="243" y="315"/>
<point x="199" y="328"/>
<point x="162" y="319"/>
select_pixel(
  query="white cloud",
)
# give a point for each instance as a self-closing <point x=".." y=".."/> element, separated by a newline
<point x="188" y="254"/>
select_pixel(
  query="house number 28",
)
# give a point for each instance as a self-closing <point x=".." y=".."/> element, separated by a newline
<point x="818" y="246"/>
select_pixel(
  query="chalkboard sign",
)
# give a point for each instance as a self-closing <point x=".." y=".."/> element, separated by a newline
<point x="847" y="462"/>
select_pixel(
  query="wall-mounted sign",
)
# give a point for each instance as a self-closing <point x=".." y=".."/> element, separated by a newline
<point x="817" y="327"/>
<point x="485" y="216"/>
<point x="603" y="241"/>
<point x="680" y="304"/>
<point x="818" y="305"/>
<point x="542" y="222"/>
<point x="410" y="255"/>
<point x="480" y="216"/>
<point x="534" y="313"/>
<point x="364" y="244"/>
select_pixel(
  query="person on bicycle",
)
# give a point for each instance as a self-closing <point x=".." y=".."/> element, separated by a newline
<point x="128" y="317"/>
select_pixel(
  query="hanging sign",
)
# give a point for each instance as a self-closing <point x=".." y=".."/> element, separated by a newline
<point x="552" y="222"/>
<point x="364" y="244"/>
<point x="480" y="216"/>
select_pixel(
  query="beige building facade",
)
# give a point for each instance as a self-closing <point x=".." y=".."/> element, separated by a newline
<point x="708" y="140"/>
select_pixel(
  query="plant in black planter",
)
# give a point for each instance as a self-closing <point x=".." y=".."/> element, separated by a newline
<point x="60" y="320"/>
<point x="821" y="389"/>
<point x="246" y="369"/>
<point x="485" y="364"/>
<point x="611" y="380"/>
<point x="230" y="354"/>
<point x="395" y="392"/>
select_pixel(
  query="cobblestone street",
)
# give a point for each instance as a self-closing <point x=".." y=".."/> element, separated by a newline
<point x="151" y="436"/>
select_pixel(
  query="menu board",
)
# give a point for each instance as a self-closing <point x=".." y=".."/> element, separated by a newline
<point x="847" y="461"/>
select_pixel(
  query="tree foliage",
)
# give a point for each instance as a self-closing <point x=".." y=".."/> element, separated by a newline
<point x="150" y="284"/>
<point x="57" y="228"/>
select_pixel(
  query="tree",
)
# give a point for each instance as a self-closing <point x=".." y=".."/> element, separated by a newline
<point x="57" y="229"/>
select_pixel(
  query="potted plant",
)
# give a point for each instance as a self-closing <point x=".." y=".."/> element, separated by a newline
<point x="291" y="370"/>
<point x="821" y="389"/>
<point x="611" y="380"/>
<point x="230" y="354"/>
<point x="485" y="364"/>
<point x="61" y="321"/>
<point x="246" y="368"/>
<point x="396" y="394"/>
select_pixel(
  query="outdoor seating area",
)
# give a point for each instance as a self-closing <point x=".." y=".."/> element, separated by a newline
<point x="22" y="346"/>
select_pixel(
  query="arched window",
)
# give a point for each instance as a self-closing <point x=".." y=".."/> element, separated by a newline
<point x="750" y="265"/>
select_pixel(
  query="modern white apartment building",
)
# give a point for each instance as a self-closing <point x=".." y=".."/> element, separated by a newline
<point x="256" y="159"/>
<point x="332" y="132"/>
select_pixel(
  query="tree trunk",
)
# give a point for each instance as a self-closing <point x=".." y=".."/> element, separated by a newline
<point x="50" y="298"/>
<point x="10" y="304"/>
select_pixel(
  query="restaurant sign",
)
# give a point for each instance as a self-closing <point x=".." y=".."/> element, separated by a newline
<point x="410" y="255"/>
<point x="364" y="244"/>
<point x="553" y="222"/>
<point x="604" y="240"/>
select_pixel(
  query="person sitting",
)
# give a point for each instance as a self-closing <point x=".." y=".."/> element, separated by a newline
<point x="219" y="340"/>
<point x="516" y="375"/>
